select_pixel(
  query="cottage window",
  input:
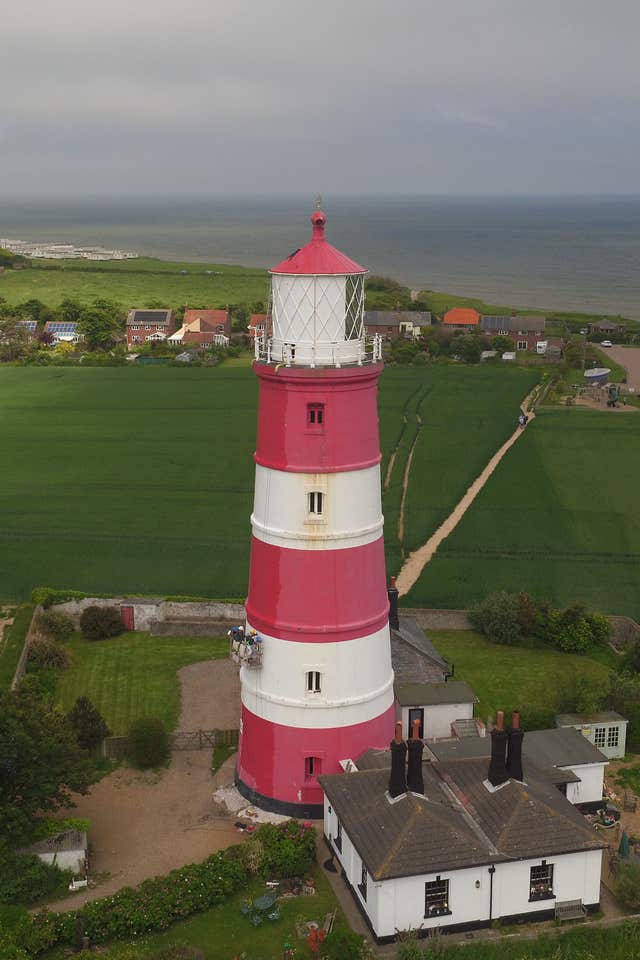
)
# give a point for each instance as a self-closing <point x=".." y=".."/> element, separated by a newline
<point x="135" y="339"/>
<point x="312" y="767"/>
<point x="522" y="345"/>
<point x="338" y="837"/>
<point x="436" y="898"/>
<point x="613" y="736"/>
<point x="315" y="415"/>
<point x="316" y="503"/>
<point x="362" y="886"/>
<point x="541" y="882"/>
<point x="313" y="681"/>
<point x="600" y="736"/>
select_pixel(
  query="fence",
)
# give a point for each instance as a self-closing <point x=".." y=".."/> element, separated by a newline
<point x="116" y="748"/>
<point x="24" y="656"/>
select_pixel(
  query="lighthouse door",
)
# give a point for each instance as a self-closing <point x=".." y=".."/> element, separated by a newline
<point x="416" y="713"/>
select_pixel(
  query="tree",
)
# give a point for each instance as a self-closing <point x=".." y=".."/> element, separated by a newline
<point x="469" y="347"/>
<point x="148" y="743"/>
<point x="14" y="339"/>
<point x="502" y="343"/>
<point x="70" y="310"/>
<point x="34" y="310"/>
<point x="99" y="324"/>
<point x="41" y="763"/>
<point x="498" y="617"/>
<point x="88" y="723"/>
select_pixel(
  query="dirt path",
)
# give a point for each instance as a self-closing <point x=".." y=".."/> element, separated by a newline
<point x="417" y="561"/>
<point x="144" y="824"/>
<point x="405" y="480"/>
<point x="629" y="358"/>
<point x="602" y="407"/>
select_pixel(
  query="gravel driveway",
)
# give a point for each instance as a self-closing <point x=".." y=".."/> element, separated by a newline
<point x="629" y="358"/>
<point x="145" y="824"/>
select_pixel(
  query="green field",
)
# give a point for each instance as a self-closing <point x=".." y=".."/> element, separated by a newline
<point x="140" y="480"/>
<point x="132" y="676"/>
<point x="512" y="678"/>
<point x="559" y="518"/>
<point x="135" y="283"/>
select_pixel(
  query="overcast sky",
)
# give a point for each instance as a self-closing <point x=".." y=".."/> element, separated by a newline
<point x="294" y="96"/>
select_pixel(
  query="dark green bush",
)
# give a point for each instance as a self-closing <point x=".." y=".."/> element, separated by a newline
<point x="55" y="624"/>
<point x="497" y="617"/>
<point x="45" y="652"/>
<point x="99" y="623"/>
<point x="289" y="849"/>
<point x="88" y="724"/>
<point x="148" y="743"/>
<point x="24" y="878"/>
<point x="627" y="888"/>
<point x="345" y="945"/>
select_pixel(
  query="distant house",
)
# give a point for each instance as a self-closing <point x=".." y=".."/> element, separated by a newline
<point x="392" y="324"/>
<point x="62" y="331"/>
<point x="203" y="328"/>
<point x="153" y="325"/>
<point x="462" y="318"/>
<point x="606" y="326"/>
<point x="526" y="331"/>
<point x="68" y="850"/>
<point x="258" y="325"/>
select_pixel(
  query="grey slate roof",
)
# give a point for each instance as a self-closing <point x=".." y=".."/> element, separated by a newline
<point x="432" y="694"/>
<point x="492" y="323"/>
<point x="604" y="716"/>
<point x="458" y="823"/>
<point x="390" y="318"/>
<point x="561" y="747"/>
<point x="67" y="840"/>
<point x="414" y="657"/>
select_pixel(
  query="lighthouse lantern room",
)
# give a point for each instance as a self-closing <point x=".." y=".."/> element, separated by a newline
<point x="321" y="690"/>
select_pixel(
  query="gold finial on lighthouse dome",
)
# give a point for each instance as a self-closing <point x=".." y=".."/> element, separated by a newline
<point x="318" y="202"/>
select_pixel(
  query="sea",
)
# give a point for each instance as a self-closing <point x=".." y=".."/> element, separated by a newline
<point x="562" y="253"/>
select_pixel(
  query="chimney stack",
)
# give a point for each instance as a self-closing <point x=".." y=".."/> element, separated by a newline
<point x="398" y="775"/>
<point x="415" y="781"/>
<point x="497" y="766"/>
<point x="514" y="750"/>
<point x="393" y="595"/>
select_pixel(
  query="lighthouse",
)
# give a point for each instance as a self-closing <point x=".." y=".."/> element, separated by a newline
<point x="316" y="677"/>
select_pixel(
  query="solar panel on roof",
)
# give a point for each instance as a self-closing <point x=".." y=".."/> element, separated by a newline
<point x="61" y="326"/>
<point x="30" y="325"/>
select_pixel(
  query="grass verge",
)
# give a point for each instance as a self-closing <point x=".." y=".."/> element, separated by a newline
<point x="12" y="643"/>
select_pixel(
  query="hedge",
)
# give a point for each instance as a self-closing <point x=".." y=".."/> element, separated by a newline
<point x="159" y="902"/>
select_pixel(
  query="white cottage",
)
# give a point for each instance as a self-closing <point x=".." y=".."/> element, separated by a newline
<point x="458" y="844"/>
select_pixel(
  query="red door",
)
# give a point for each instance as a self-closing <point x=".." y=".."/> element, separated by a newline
<point x="128" y="619"/>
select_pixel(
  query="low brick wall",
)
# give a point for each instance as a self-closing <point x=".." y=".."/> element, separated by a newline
<point x="151" y="615"/>
<point x="431" y="619"/>
<point x="625" y="631"/>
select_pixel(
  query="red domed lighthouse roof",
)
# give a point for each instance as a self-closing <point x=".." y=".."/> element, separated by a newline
<point x="318" y="256"/>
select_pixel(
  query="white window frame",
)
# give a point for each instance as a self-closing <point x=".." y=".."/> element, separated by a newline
<point x="522" y="345"/>
<point x="613" y="737"/>
<point x="316" y="504"/>
<point x="600" y="737"/>
<point x="438" y="889"/>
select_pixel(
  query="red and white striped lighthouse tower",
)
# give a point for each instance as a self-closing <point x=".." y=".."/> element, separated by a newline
<point x="322" y="689"/>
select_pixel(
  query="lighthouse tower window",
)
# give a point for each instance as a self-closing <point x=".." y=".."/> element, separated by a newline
<point x="316" y="503"/>
<point x="313" y="681"/>
<point x="312" y="767"/>
<point x="315" y="416"/>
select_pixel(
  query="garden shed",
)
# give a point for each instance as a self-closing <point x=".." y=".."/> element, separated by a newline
<point x="68" y="850"/>
<point x="607" y="730"/>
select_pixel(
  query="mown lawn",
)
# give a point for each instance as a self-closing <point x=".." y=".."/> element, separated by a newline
<point x="512" y="678"/>
<point x="132" y="676"/>
<point x="558" y="518"/>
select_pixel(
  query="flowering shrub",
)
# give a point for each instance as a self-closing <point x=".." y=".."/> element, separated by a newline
<point x="289" y="849"/>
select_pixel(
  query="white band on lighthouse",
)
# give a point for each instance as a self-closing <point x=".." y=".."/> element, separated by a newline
<point x="349" y="515"/>
<point x="355" y="682"/>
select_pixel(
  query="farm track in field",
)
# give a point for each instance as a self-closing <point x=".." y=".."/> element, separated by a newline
<point x="417" y="561"/>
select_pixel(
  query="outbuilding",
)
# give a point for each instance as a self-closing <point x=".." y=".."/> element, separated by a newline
<point x="67" y="850"/>
<point x="606" y="730"/>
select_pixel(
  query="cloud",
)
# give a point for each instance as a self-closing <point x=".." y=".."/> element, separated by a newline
<point x="379" y="94"/>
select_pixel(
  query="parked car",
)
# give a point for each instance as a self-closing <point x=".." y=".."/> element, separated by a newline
<point x="606" y="343"/>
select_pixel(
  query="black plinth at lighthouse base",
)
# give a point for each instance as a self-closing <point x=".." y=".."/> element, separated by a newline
<point x="301" y="811"/>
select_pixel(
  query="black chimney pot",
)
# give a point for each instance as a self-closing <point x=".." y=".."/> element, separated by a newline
<point x="514" y="750"/>
<point x="497" y="766"/>
<point x="415" y="780"/>
<point x="392" y="593"/>
<point x="398" y="775"/>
